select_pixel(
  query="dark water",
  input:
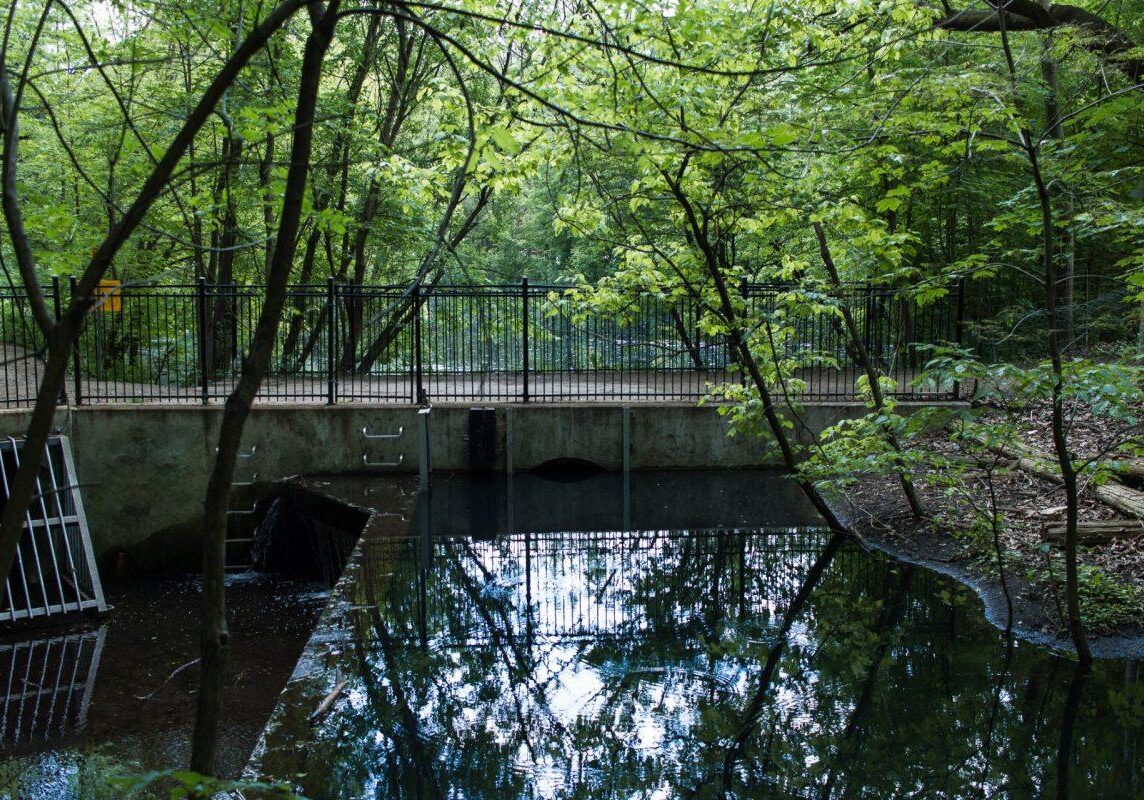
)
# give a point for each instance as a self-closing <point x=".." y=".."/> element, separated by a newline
<point x="78" y="702"/>
<point x="679" y="661"/>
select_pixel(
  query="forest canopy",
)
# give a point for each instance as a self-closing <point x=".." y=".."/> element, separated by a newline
<point x="678" y="149"/>
<point x="571" y="142"/>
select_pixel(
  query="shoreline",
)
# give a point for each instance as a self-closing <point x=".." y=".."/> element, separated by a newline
<point x="915" y="543"/>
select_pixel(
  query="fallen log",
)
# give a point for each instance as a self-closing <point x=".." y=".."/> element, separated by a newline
<point x="1100" y="532"/>
<point x="1123" y="499"/>
<point x="327" y="703"/>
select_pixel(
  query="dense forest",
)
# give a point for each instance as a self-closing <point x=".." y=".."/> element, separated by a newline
<point x="677" y="149"/>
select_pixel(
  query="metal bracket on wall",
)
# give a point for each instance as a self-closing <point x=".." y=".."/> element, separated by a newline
<point x="365" y="460"/>
<point x="367" y="435"/>
<point x="247" y="456"/>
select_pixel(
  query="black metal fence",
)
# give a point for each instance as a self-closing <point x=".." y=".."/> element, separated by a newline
<point x="520" y="343"/>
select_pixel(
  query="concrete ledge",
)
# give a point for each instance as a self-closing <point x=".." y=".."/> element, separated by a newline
<point x="144" y="467"/>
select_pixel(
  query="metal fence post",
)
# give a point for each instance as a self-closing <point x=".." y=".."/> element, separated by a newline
<point x="419" y="386"/>
<point x="331" y="341"/>
<point x="738" y="325"/>
<point x="524" y="332"/>
<point x="959" y="327"/>
<point x="871" y="304"/>
<point x="77" y="380"/>
<point x="63" y="400"/>
<point x="204" y="369"/>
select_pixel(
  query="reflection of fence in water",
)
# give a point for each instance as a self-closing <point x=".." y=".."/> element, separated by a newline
<point x="47" y="686"/>
<point x="616" y="583"/>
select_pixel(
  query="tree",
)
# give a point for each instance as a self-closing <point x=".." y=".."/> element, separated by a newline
<point x="59" y="334"/>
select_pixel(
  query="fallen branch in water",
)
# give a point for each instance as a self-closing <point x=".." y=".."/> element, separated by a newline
<point x="327" y="703"/>
<point x="171" y="677"/>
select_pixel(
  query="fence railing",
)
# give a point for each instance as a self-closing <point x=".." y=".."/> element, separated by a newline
<point x="518" y="343"/>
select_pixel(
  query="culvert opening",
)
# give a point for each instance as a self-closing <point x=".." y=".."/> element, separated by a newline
<point x="307" y="537"/>
<point x="568" y="470"/>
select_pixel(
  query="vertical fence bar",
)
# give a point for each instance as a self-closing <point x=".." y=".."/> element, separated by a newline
<point x="418" y="376"/>
<point x="76" y="378"/>
<point x="524" y="333"/>
<point x="413" y="352"/>
<point x="737" y="323"/>
<point x="959" y="328"/>
<point x="201" y="325"/>
<point x="56" y="307"/>
<point x="331" y="341"/>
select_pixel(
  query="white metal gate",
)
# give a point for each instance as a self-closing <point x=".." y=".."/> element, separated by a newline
<point x="55" y="571"/>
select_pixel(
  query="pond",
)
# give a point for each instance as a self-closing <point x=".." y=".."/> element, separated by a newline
<point x="679" y="636"/>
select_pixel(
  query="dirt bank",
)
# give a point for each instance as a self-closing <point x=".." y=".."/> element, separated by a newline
<point x="950" y="540"/>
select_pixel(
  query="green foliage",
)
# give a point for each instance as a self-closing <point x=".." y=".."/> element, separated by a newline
<point x="1107" y="604"/>
<point x="95" y="776"/>
<point x="185" y="785"/>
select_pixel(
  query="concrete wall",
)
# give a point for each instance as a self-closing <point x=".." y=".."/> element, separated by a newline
<point x="143" y="469"/>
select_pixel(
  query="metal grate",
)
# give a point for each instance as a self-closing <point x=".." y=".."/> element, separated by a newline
<point x="55" y="572"/>
<point x="47" y="688"/>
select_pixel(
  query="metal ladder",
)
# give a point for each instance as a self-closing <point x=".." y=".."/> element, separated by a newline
<point x="371" y="437"/>
<point x="239" y="549"/>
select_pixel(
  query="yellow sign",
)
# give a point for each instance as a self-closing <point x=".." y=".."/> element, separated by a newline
<point x="109" y="296"/>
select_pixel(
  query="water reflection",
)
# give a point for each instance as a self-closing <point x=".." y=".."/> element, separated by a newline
<point x="702" y="663"/>
<point x="47" y="684"/>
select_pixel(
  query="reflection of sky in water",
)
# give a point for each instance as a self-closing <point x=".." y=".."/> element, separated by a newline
<point x="629" y="665"/>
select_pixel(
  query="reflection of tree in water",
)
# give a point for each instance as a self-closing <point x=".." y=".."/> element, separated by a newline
<point x="704" y="664"/>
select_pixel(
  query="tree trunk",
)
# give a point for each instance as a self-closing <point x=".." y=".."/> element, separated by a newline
<point x="215" y="640"/>
<point x="1055" y="130"/>
<point x="742" y="353"/>
<point x="1068" y="727"/>
<point x="1102" y="532"/>
<point x="755" y="707"/>
<point x="297" y="319"/>
<point x="222" y="320"/>
<point x="873" y="376"/>
<point x="61" y="335"/>
<point x="1123" y="499"/>
<point x="1052" y="344"/>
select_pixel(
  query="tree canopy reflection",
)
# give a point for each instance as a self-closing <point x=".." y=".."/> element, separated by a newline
<point x="703" y="664"/>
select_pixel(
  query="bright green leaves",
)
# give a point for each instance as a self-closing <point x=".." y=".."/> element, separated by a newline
<point x="779" y="135"/>
<point x="504" y="140"/>
<point x="893" y="199"/>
